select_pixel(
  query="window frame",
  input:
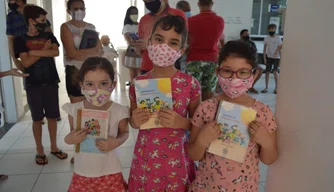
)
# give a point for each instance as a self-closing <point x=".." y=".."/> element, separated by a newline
<point x="258" y="34"/>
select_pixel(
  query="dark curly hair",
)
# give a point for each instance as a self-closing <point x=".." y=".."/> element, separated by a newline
<point x="240" y="49"/>
<point x="32" y="12"/>
<point x="168" y="22"/>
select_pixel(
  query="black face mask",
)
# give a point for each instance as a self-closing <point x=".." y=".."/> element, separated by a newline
<point x="40" y="26"/>
<point x="13" y="6"/>
<point x="246" y="38"/>
<point x="271" y="33"/>
<point x="153" y="6"/>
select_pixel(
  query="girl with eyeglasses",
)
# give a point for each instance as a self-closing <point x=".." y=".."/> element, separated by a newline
<point x="236" y="74"/>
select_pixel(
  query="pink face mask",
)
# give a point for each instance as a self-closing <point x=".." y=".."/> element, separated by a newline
<point x="235" y="87"/>
<point x="162" y="55"/>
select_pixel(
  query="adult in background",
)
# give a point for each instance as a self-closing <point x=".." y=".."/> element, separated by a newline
<point x="71" y="35"/>
<point x="158" y="9"/>
<point x="132" y="60"/>
<point x="272" y="55"/>
<point x="205" y="31"/>
<point x="184" y="6"/>
<point x="244" y="35"/>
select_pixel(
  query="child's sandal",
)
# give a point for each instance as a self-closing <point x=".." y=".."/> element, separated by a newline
<point x="60" y="155"/>
<point x="264" y="91"/>
<point x="41" y="160"/>
<point x="3" y="177"/>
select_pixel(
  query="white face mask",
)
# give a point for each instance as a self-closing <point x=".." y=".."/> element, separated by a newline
<point x="78" y="15"/>
<point x="134" y="18"/>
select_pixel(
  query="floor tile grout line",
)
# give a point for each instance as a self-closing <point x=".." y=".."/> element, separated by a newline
<point x="33" y="187"/>
<point x="15" y="141"/>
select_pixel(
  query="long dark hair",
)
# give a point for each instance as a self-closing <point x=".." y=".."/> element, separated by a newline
<point x="127" y="20"/>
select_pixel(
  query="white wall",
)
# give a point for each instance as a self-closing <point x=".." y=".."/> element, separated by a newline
<point x="305" y="101"/>
<point x="108" y="18"/>
<point x="58" y="16"/>
<point x="11" y="86"/>
<point x="236" y="13"/>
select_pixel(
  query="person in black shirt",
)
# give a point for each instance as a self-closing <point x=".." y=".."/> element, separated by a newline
<point x="244" y="35"/>
<point x="37" y="50"/>
<point x="16" y="26"/>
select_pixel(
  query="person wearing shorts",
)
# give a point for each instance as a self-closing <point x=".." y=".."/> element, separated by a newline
<point x="271" y="55"/>
<point x="37" y="50"/>
<point x="244" y="36"/>
<point x="204" y="72"/>
<point x="202" y="55"/>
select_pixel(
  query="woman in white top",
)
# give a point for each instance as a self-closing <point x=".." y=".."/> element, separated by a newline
<point x="71" y="35"/>
<point x="100" y="172"/>
<point x="131" y="60"/>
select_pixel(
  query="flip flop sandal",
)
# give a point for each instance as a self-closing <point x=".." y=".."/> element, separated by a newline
<point x="252" y="90"/>
<point x="41" y="157"/>
<point x="60" y="154"/>
<point x="264" y="91"/>
<point x="3" y="177"/>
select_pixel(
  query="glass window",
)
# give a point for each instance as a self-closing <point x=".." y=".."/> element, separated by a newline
<point x="266" y="12"/>
<point x="114" y="26"/>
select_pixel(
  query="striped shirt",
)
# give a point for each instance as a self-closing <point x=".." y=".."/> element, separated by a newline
<point x="16" y="25"/>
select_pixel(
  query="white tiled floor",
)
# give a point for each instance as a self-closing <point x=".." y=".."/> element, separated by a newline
<point x="17" y="151"/>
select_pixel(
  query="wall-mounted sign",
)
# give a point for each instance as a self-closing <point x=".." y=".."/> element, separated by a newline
<point x="273" y="8"/>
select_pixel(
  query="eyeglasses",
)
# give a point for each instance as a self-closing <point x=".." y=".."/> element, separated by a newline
<point x="241" y="74"/>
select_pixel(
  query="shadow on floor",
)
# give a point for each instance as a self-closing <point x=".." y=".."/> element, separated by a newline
<point x="5" y="129"/>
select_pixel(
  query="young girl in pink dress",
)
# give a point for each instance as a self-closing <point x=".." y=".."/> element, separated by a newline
<point x="160" y="162"/>
<point x="98" y="172"/>
<point x="216" y="174"/>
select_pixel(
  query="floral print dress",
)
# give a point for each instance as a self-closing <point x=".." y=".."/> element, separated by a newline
<point x="160" y="161"/>
<point x="218" y="174"/>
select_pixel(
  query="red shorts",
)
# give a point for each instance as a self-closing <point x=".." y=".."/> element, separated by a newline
<point x="108" y="183"/>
